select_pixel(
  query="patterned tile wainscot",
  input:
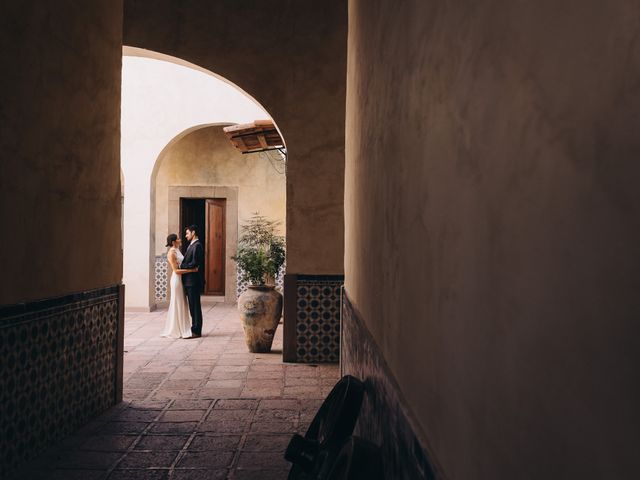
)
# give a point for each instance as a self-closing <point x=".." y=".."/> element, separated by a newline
<point x="161" y="278"/>
<point x="383" y="419"/>
<point x="313" y="303"/>
<point x="242" y="283"/>
<point x="61" y="366"/>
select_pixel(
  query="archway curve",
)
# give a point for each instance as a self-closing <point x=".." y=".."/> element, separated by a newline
<point x="151" y="54"/>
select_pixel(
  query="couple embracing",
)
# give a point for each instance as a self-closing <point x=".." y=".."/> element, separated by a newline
<point x="184" y="319"/>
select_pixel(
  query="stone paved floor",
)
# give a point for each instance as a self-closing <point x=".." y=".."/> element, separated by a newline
<point x="194" y="409"/>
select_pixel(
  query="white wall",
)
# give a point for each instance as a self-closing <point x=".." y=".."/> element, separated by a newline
<point x="160" y="101"/>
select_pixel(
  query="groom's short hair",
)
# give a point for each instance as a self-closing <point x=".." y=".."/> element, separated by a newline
<point x="194" y="229"/>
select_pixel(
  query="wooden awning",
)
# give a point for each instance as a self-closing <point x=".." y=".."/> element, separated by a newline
<point x="257" y="136"/>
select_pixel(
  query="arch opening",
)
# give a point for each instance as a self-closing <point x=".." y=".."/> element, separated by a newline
<point x="168" y="119"/>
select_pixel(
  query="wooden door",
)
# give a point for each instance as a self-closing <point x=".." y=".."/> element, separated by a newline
<point x="215" y="246"/>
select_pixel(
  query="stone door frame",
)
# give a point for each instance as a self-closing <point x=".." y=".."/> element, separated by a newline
<point x="231" y="241"/>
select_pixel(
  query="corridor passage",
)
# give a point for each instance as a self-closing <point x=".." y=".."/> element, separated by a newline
<point x="194" y="409"/>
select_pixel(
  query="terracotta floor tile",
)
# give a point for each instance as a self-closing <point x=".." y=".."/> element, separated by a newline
<point x="162" y="442"/>
<point x="199" y="474"/>
<point x="267" y="415"/>
<point x="239" y="383"/>
<point x="261" y="392"/>
<point x="302" y="381"/>
<point x="229" y="368"/>
<point x="111" y="428"/>
<point x="107" y="443"/>
<point x="181" y="404"/>
<point x="214" y="393"/>
<point x="182" y="416"/>
<point x="266" y="442"/>
<point x="235" y="404"/>
<point x="218" y="375"/>
<point x="274" y="427"/>
<point x="208" y="460"/>
<point x="136" y="459"/>
<point x="262" y="461"/>
<point x="139" y="475"/>
<point x="215" y="443"/>
<point x="173" y="427"/>
<point x="261" y="475"/>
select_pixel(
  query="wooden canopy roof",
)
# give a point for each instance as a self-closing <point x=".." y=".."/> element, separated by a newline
<point x="254" y="137"/>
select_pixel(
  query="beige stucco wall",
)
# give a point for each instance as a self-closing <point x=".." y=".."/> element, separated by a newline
<point x="59" y="136"/>
<point x="293" y="62"/>
<point x="205" y="157"/>
<point x="492" y="234"/>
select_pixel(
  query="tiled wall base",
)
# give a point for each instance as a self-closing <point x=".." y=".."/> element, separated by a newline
<point x="242" y="283"/>
<point x="312" y="318"/>
<point x="59" y="368"/>
<point x="161" y="280"/>
<point x="382" y="419"/>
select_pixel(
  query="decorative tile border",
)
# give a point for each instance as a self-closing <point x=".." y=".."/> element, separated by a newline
<point x="242" y="283"/>
<point x="61" y="365"/>
<point x="383" y="419"/>
<point x="313" y="302"/>
<point x="161" y="278"/>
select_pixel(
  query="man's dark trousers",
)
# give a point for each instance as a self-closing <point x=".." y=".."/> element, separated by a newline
<point x="194" y="283"/>
<point x="195" y="309"/>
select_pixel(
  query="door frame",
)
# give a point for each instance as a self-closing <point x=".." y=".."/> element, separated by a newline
<point x="230" y="194"/>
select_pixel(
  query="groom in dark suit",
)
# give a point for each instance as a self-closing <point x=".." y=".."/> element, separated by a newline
<point x="194" y="282"/>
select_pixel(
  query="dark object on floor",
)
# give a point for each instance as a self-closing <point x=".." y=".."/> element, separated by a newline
<point x="358" y="459"/>
<point x="314" y="455"/>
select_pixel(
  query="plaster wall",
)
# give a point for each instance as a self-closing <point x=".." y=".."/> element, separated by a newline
<point x="59" y="173"/>
<point x="491" y="215"/>
<point x="291" y="57"/>
<point x="161" y="102"/>
<point x="205" y="157"/>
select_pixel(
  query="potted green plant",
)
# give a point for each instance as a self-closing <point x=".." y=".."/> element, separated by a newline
<point x="261" y="253"/>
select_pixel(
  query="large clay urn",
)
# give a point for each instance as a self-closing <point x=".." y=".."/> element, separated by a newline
<point x="260" y="309"/>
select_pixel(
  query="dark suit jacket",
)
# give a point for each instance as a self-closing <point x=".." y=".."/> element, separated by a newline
<point x="194" y="258"/>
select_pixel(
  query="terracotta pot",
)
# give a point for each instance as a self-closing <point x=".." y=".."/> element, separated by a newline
<point x="260" y="310"/>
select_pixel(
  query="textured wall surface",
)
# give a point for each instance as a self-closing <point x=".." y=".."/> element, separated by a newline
<point x="383" y="418"/>
<point x="60" y="141"/>
<point x="207" y="157"/>
<point x="491" y="218"/>
<point x="293" y="62"/>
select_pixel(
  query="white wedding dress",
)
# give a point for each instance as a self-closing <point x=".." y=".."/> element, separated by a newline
<point x="178" y="319"/>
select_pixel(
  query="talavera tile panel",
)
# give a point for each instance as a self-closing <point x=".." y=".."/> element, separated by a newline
<point x="318" y="318"/>
<point x="382" y="420"/>
<point x="58" y="369"/>
<point x="161" y="278"/>
<point x="242" y="283"/>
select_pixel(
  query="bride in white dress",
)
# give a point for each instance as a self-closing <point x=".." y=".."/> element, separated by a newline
<point x="178" y="319"/>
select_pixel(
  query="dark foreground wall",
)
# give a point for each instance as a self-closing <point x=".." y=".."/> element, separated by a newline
<point x="60" y="147"/>
<point x="60" y="235"/>
<point x="492" y="229"/>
